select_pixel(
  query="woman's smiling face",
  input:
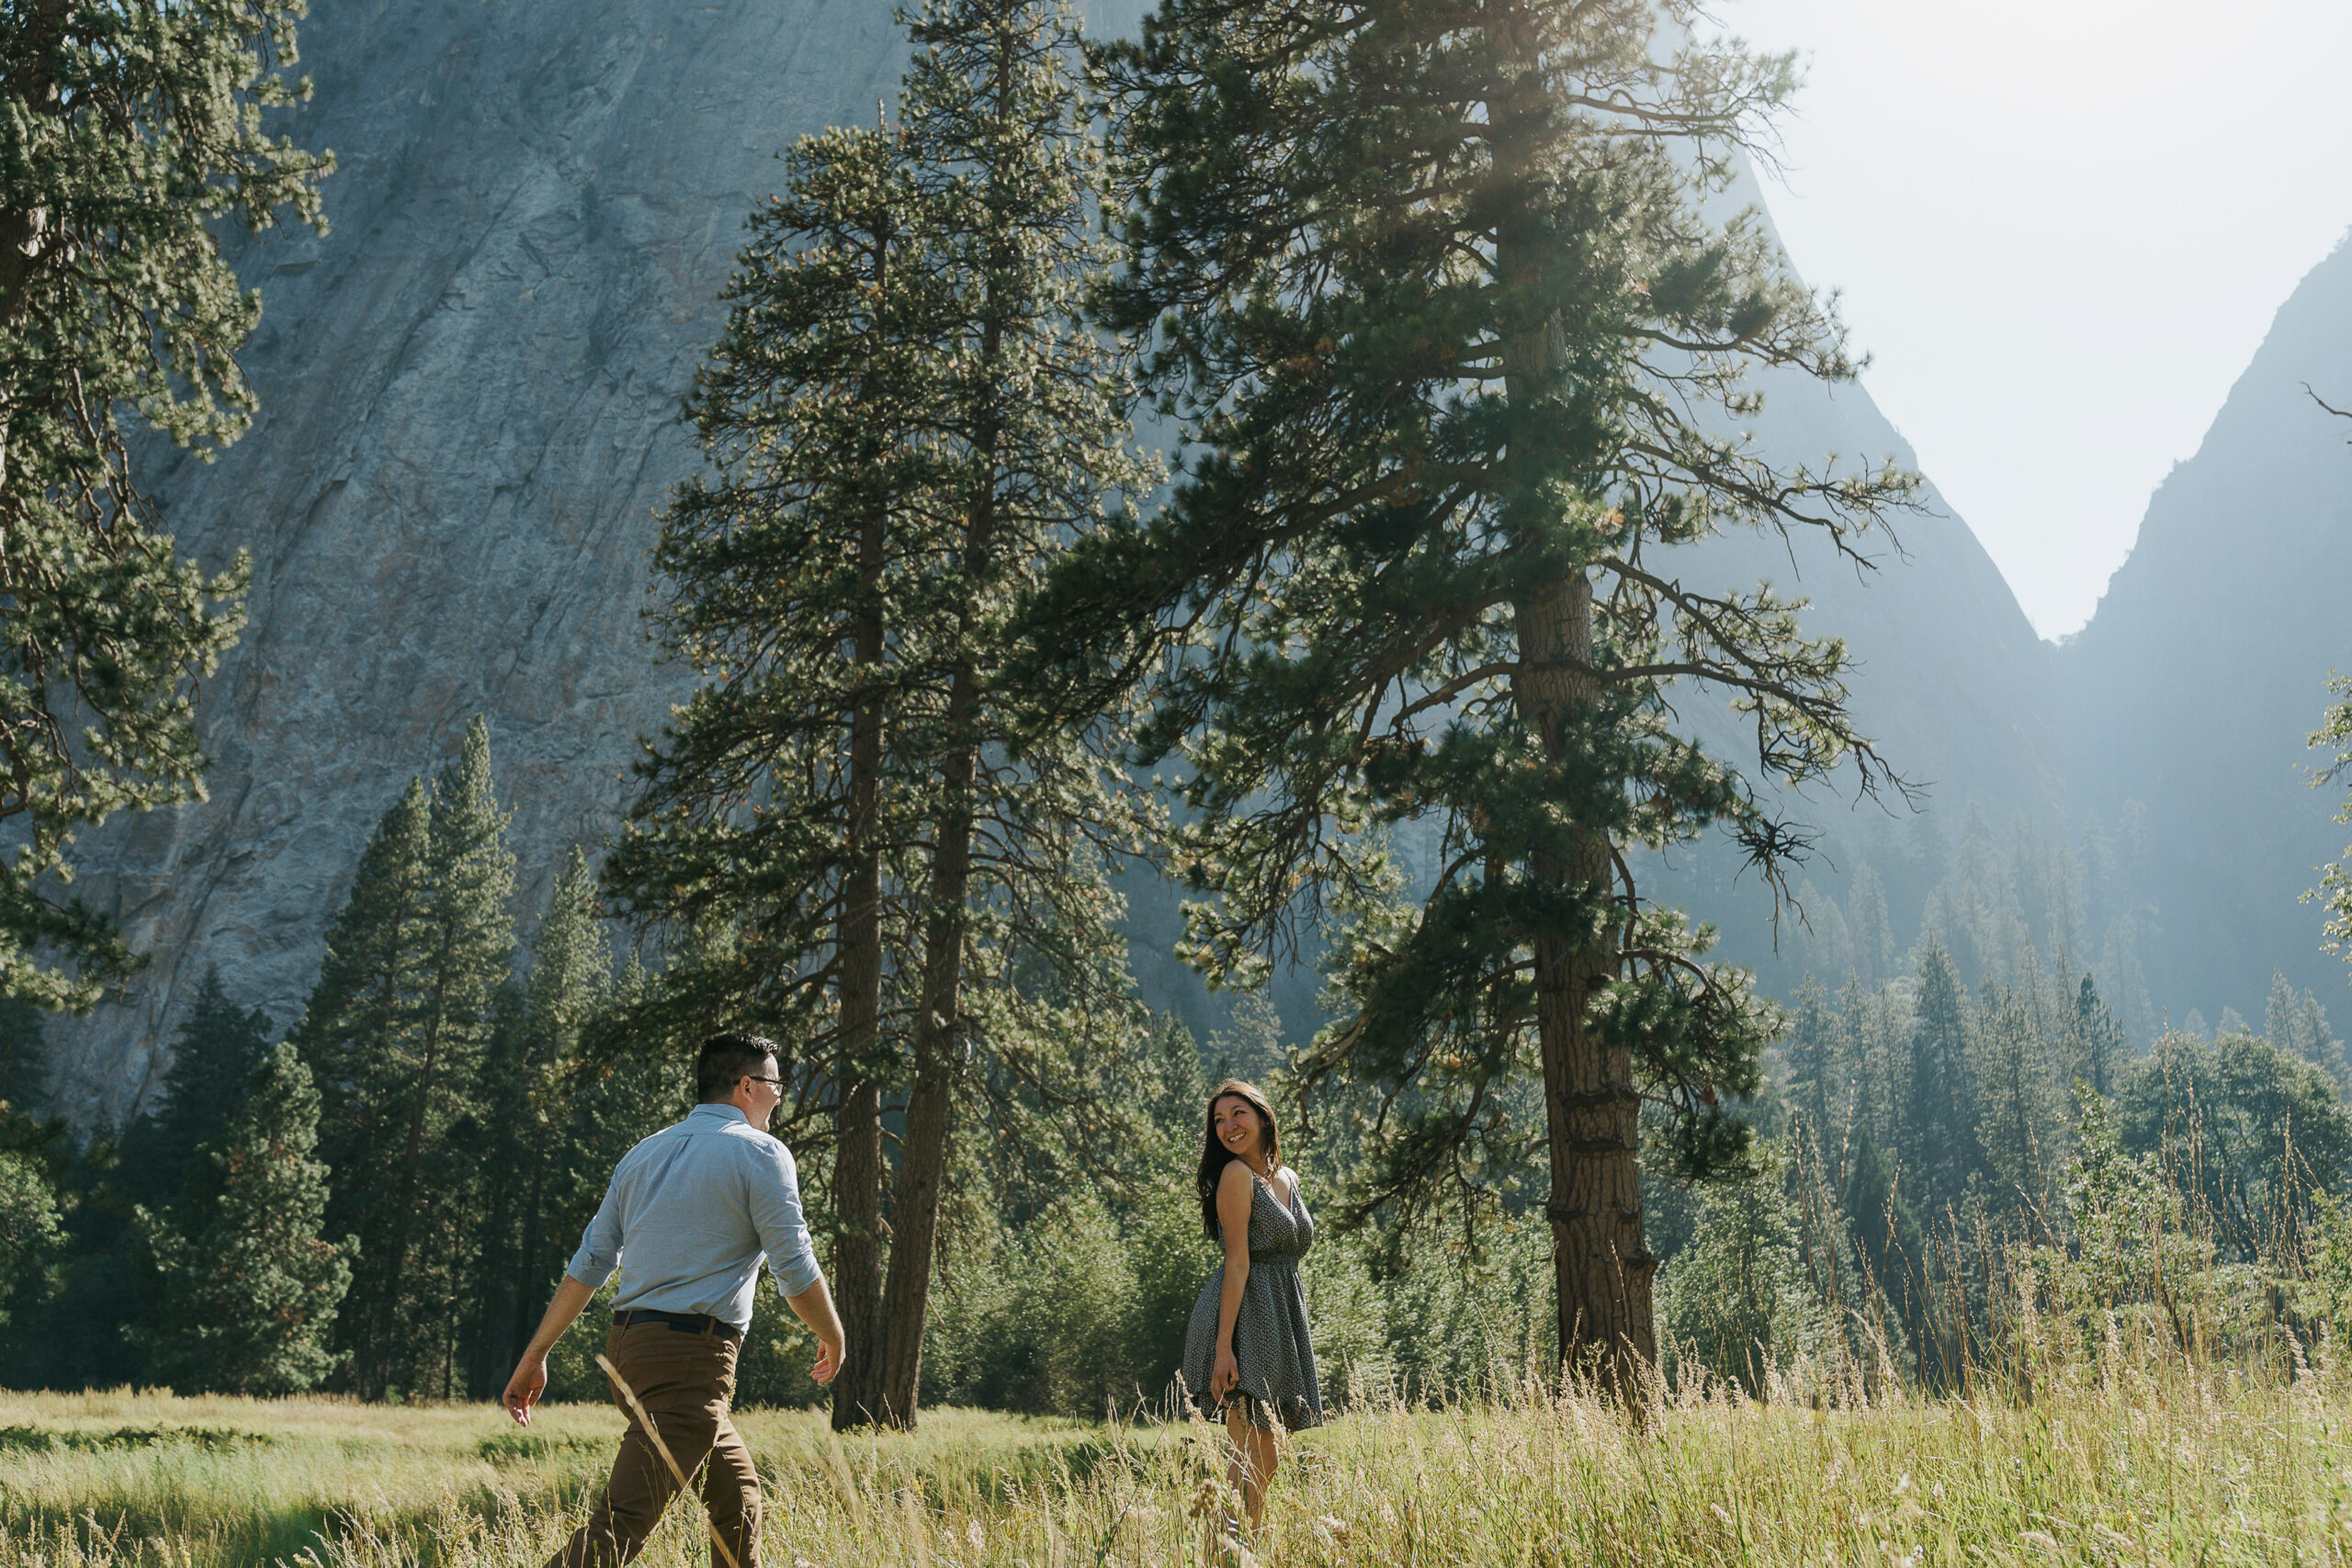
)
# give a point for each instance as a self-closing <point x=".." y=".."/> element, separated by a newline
<point x="1237" y="1125"/>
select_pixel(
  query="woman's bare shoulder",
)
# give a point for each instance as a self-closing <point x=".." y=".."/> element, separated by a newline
<point x="1236" y="1174"/>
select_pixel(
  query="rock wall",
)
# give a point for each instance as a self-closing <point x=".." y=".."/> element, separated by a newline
<point x="470" y="391"/>
<point x="2194" y="686"/>
<point x="469" y="398"/>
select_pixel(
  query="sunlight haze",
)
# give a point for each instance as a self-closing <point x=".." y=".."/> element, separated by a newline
<point x="2062" y="228"/>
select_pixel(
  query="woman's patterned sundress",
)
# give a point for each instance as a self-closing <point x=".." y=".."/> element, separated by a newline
<point x="1271" y="1347"/>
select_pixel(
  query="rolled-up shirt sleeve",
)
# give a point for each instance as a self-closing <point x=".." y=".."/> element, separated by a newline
<point x="600" y="1244"/>
<point x="782" y="1226"/>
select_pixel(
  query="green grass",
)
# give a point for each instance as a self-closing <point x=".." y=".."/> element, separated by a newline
<point x="2120" y="1464"/>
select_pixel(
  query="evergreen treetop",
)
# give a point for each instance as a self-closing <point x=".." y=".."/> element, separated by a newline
<point x="470" y="869"/>
<point x="365" y="995"/>
<point x="398" y="1030"/>
<point x="217" y="1049"/>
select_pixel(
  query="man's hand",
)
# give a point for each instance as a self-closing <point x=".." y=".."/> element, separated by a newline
<point x="814" y="1308"/>
<point x="530" y="1379"/>
<point x="523" y="1390"/>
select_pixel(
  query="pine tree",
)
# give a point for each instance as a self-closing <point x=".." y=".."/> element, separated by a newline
<point x="1434" y="293"/>
<point x="1938" y="1144"/>
<point x="2022" y="1126"/>
<point x="761" y="833"/>
<point x="433" y="1181"/>
<point x="364" y="996"/>
<point x="1037" y="424"/>
<point x="1736" y="1297"/>
<point x="396" y="1031"/>
<point x="1891" y="1245"/>
<point x="2100" y="1048"/>
<point x="32" y="1217"/>
<point x="2335" y="890"/>
<point x="1866" y="919"/>
<point x="530" y="1091"/>
<point x="245" y="1289"/>
<point x="217" y="1049"/>
<point x="1870" y="1059"/>
<point x="126" y="132"/>
<point x="2298" y="1024"/>
<point x="909" y="420"/>
<point x="1828" y="942"/>
<point x="355" y="1036"/>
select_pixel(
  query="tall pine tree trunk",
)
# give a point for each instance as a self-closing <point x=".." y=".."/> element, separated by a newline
<point x="923" y="1166"/>
<point x="405" y="1312"/>
<point x="857" y="1161"/>
<point x="929" y="1128"/>
<point x="527" y="1272"/>
<point x="375" y="1325"/>
<point x="1601" y="1266"/>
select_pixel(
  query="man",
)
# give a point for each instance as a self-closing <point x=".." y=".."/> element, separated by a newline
<point x="694" y="1210"/>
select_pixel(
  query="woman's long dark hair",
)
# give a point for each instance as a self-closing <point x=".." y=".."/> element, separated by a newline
<point x="1216" y="1157"/>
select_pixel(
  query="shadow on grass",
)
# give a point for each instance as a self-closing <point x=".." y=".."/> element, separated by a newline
<point x="210" y="1440"/>
<point x="213" y="1533"/>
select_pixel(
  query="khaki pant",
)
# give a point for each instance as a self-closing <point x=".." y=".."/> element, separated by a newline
<point x="684" y="1381"/>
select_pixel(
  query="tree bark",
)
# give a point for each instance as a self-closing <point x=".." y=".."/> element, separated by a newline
<point x="857" y="1161"/>
<point x="411" y="1155"/>
<point x="923" y="1166"/>
<point x="857" y="1158"/>
<point x="1602" y="1268"/>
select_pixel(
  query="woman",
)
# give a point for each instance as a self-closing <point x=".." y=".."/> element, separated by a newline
<point x="1246" y="1356"/>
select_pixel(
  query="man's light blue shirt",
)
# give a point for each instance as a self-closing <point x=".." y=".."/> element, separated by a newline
<point x="696" y="1209"/>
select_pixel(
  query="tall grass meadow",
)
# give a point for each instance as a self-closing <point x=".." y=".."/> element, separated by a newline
<point x="2110" y="1383"/>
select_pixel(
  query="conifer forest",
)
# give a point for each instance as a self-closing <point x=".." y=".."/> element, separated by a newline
<point x="1327" y="545"/>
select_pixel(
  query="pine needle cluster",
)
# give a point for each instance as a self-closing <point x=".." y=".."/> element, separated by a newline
<point x="126" y="131"/>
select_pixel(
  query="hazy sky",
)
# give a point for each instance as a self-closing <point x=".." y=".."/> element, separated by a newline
<point x="2062" y="228"/>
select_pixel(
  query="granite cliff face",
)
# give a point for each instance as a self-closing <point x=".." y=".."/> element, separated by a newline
<point x="470" y="415"/>
<point x="471" y="394"/>
<point x="2194" y="686"/>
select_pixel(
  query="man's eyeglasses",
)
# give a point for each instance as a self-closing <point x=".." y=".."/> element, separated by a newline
<point x="773" y="1083"/>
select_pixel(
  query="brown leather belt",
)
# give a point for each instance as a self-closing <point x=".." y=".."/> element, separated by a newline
<point x="678" y="1322"/>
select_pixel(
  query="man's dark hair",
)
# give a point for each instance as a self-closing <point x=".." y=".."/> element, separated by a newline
<point x="725" y="1060"/>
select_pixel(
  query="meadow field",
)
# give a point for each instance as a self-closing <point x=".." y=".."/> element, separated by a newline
<point x="2176" y="1465"/>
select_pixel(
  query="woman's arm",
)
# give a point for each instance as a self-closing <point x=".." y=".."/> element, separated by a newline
<point x="1233" y="1197"/>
